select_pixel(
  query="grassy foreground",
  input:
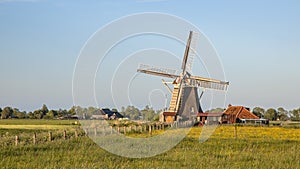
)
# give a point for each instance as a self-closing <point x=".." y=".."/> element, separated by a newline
<point x="255" y="147"/>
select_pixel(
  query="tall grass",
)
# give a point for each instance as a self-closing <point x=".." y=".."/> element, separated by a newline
<point x="255" y="147"/>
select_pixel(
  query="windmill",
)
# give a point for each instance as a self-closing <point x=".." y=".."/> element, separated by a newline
<point x="184" y="102"/>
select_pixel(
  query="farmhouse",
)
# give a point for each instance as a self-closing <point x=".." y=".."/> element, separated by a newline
<point x="106" y="114"/>
<point x="99" y="115"/>
<point x="233" y="114"/>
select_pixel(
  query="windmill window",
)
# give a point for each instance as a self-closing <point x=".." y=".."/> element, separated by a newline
<point x="192" y="110"/>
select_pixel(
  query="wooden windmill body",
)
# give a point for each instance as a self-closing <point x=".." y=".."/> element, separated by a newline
<point x="185" y="102"/>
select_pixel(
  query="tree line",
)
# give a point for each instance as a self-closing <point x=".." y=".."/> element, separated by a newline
<point x="130" y="112"/>
<point x="42" y="113"/>
<point x="133" y="113"/>
<point x="277" y="114"/>
<point x="146" y="114"/>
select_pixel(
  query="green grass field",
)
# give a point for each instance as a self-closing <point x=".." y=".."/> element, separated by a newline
<point x="255" y="147"/>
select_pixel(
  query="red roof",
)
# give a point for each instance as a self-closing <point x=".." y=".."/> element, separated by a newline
<point x="240" y="112"/>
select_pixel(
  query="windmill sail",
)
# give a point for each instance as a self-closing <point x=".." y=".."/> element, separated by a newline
<point x="190" y="52"/>
<point x="158" y="71"/>
<point x="208" y="83"/>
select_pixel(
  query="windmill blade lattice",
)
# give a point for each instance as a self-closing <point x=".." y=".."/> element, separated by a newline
<point x="192" y="51"/>
<point x="158" y="71"/>
<point x="208" y="83"/>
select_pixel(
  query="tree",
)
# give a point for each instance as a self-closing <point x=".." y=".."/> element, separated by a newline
<point x="156" y="117"/>
<point x="18" y="114"/>
<point x="72" y="111"/>
<point x="258" y="111"/>
<point x="61" y="112"/>
<point x="30" y="115"/>
<point x="38" y="114"/>
<point x="89" y="111"/>
<point x="51" y="114"/>
<point x="15" y="113"/>
<point x="148" y="113"/>
<point x="216" y="110"/>
<point x="132" y="113"/>
<point x="271" y="114"/>
<point x="83" y="112"/>
<point x="6" y="113"/>
<point x="44" y="110"/>
<point x="282" y="114"/>
<point x="21" y="115"/>
<point x="295" y="114"/>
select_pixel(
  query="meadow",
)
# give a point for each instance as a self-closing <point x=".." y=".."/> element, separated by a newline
<point x="254" y="147"/>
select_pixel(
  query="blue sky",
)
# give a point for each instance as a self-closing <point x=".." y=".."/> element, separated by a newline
<point x="257" y="41"/>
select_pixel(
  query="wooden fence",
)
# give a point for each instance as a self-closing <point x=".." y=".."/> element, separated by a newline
<point x="142" y="128"/>
<point x="100" y="131"/>
<point x="50" y="137"/>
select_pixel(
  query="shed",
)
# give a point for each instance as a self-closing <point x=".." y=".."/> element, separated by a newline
<point x="169" y="117"/>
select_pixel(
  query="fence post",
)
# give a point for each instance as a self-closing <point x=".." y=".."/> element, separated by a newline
<point x="104" y="130"/>
<point x="76" y="134"/>
<point x="17" y="140"/>
<point x="95" y="131"/>
<point x="150" y="130"/>
<point x="65" y="134"/>
<point x="50" y="136"/>
<point x="124" y="129"/>
<point x="111" y="129"/>
<point x="86" y="132"/>
<point x="34" y="138"/>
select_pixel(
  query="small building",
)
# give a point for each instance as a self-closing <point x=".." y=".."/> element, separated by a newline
<point x="168" y="117"/>
<point x="99" y="115"/>
<point x="209" y="118"/>
<point x="235" y="114"/>
<point x="112" y="115"/>
<point x="106" y="114"/>
<point x="254" y="121"/>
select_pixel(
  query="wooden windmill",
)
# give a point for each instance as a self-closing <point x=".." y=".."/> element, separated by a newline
<point x="185" y="100"/>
